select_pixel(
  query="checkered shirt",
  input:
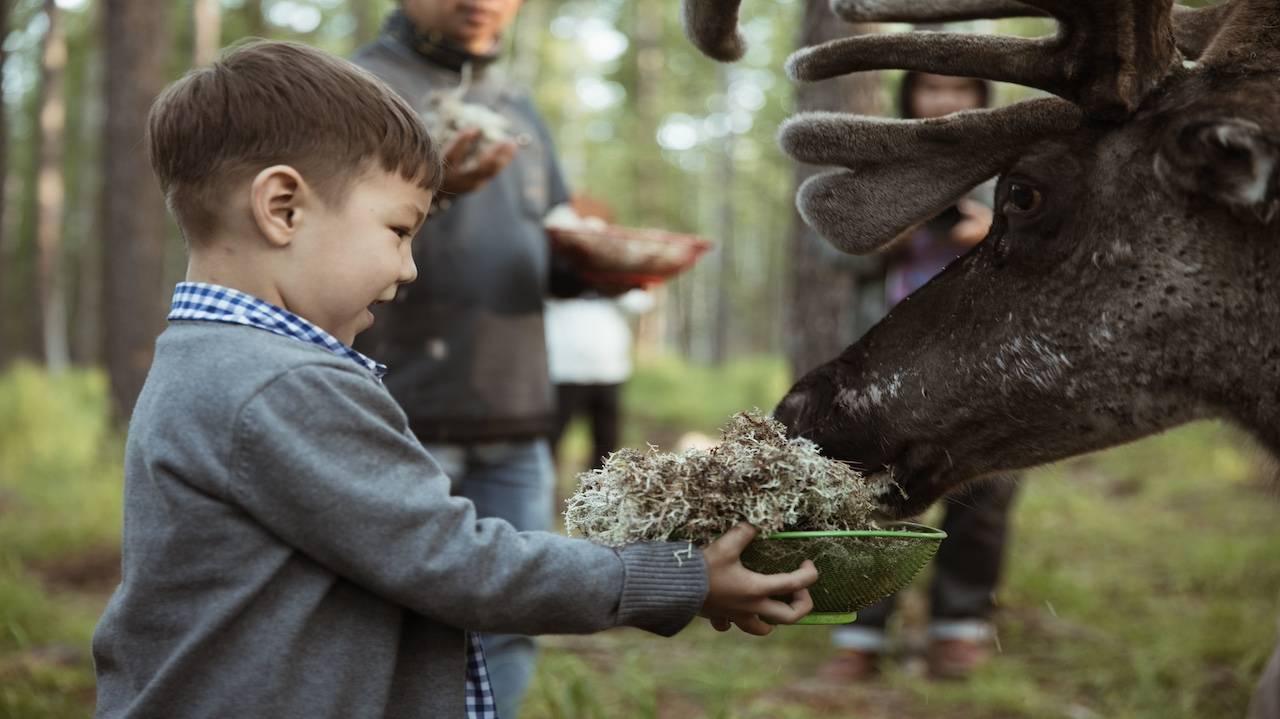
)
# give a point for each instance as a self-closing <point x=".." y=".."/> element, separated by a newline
<point x="215" y="303"/>
<point x="199" y="301"/>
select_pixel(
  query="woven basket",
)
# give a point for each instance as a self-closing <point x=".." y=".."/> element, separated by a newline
<point x="855" y="568"/>
<point x="627" y="256"/>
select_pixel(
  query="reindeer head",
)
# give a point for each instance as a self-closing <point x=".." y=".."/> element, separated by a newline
<point x="1129" y="280"/>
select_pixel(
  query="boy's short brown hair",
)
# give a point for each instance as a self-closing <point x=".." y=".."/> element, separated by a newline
<point x="267" y="103"/>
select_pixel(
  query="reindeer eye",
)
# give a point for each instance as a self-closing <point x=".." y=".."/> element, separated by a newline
<point x="1021" y="199"/>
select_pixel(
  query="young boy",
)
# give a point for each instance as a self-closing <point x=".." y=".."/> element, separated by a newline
<point x="290" y="550"/>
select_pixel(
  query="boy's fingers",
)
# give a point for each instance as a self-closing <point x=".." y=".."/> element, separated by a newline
<point x="788" y="583"/>
<point x="752" y="624"/>
<point x="802" y="602"/>
<point x="780" y="612"/>
<point x="721" y="625"/>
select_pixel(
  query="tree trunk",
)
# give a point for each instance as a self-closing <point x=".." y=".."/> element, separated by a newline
<point x="133" y="219"/>
<point x="5" y="340"/>
<point x="662" y="326"/>
<point x="823" y="295"/>
<point x="208" y="32"/>
<point x="51" y="193"/>
<point x="724" y="235"/>
<point x="86" y="345"/>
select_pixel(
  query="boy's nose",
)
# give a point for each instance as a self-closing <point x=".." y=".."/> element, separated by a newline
<point x="408" y="271"/>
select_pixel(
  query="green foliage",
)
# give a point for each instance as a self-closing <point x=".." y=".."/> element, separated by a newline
<point x="60" y="496"/>
<point x="60" y="468"/>
<point x="669" y="395"/>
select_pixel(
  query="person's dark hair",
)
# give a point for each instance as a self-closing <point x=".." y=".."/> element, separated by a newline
<point x="266" y="103"/>
<point x="911" y="79"/>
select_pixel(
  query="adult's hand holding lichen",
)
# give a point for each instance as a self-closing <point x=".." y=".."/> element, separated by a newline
<point x="737" y="595"/>
<point x="463" y="173"/>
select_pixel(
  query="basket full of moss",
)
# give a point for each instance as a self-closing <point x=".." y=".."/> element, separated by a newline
<point x="806" y="506"/>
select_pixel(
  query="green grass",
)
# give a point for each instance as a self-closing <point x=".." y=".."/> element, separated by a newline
<point x="1141" y="581"/>
<point x="60" y="481"/>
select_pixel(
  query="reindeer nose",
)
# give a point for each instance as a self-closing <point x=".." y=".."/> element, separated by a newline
<point x="810" y="410"/>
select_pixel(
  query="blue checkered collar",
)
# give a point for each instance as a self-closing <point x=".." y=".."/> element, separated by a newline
<point x="201" y="301"/>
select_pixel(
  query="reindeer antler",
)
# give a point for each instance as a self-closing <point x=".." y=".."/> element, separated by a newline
<point x="712" y="24"/>
<point x="1105" y="57"/>
<point x="928" y="11"/>
<point x="1193" y="28"/>
<point x="904" y="170"/>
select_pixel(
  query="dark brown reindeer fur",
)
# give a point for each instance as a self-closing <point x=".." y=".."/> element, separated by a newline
<point x="1131" y="279"/>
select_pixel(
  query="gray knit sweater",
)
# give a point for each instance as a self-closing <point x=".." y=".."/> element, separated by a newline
<point x="290" y="550"/>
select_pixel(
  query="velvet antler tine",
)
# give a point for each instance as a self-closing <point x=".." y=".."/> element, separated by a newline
<point x="928" y="11"/>
<point x="1130" y="41"/>
<point x="1106" y="56"/>
<point x="903" y="172"/>
<point x="1195" y="28"/>
<point x="833" y="138"/>
<point x="712" y="26"/>
<point x="995" y="57"/>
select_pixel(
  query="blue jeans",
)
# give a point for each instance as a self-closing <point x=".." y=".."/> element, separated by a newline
<point x="516" y="482"/>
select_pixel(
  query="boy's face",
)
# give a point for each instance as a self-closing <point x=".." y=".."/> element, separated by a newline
<point x="350" y="257"/>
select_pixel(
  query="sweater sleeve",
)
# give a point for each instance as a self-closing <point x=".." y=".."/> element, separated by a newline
<point x="323" y="458"/>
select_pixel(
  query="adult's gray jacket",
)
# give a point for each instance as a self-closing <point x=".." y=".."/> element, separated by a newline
<point x="466" y="341"/>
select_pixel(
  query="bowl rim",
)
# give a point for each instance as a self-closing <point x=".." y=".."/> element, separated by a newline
<point x="915" y="531"/>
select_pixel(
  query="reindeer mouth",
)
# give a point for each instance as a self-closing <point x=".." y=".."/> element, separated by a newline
<point x="917" y="477"/>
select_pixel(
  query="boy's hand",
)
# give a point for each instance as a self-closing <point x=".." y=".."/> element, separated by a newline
<point x="740" y="596"/>
<point x="462" y="176"/>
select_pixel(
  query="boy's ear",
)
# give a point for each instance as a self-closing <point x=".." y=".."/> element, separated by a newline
<point x="277" y="198"/>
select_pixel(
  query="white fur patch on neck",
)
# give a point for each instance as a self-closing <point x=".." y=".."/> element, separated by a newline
<point x="1251" y="190"/>
<point x="871" y="395"/>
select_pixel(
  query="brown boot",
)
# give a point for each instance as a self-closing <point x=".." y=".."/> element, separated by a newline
<point x="850" y="666"/>
<point x="957" y="658"/>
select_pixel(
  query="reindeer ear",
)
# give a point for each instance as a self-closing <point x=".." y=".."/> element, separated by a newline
<point x="1227" y="160"/>
<point x="902" y="172"/>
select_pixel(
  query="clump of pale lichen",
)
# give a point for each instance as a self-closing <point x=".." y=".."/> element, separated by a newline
<point x="756" y="475"/>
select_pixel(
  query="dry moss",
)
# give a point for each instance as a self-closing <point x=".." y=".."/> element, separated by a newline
<point x="756" y="475"/>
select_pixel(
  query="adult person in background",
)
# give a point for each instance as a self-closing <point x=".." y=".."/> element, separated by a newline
<point x="968" y="565"/>
<point x="465" y="342"/>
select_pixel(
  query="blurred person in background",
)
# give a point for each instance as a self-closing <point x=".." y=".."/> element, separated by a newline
<point x="968" y="565"/>
<point x="589" y="346"/>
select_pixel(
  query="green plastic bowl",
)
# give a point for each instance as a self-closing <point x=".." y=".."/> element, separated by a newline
<point x="855" y="568"/>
